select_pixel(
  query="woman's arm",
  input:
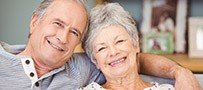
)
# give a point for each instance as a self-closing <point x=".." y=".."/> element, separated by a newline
<point x="160" y="66"/>
<point x="156" y="65"/>
<point x="185" y="80"/>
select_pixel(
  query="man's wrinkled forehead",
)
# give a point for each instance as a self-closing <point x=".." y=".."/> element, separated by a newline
<point x="71" y="8"/>
<point x="66" y="5"/>
<point x="77" y="3"/>
<point x="63" y="4"/>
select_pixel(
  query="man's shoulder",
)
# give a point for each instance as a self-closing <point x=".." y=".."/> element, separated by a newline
<point x="87" y="69"/>
<point x="4" y="55"/>
<point x="13" y="49"/>
<point x="79" y="59"/>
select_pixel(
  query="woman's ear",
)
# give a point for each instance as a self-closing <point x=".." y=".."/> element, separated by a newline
<point x="137" y="47"/>
<point x="138" y="62"/>
<point x="96" y="64"/>
<point x="33" y="23"/>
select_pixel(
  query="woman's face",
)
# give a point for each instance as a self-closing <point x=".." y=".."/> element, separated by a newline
<point x="114" y="51"/>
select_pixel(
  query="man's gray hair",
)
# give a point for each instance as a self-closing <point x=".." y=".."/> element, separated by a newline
<point x="42" y="8"/>
<point x="106" y="15"/>
<point x="44" y="5"/>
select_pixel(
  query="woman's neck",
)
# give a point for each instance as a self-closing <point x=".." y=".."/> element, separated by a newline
<point x="129" y="82"/>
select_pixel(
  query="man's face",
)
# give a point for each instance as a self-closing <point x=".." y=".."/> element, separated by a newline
<point x="54" y="37"/>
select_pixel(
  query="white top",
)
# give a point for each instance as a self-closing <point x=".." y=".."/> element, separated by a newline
<point x="156" y="86"/>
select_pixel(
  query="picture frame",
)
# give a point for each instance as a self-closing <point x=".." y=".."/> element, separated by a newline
<point x="195" y="37"/>
<point x="166" y="16"/>
<point x="158" y="43"/>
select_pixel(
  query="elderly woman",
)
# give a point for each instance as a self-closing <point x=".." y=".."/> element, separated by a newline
<point x="112" y="43"/>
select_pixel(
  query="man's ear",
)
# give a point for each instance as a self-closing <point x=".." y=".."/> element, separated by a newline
<point x="33" y="23"/>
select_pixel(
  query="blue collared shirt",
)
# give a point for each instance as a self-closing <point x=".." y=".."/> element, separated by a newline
<point x="18" y="72"/>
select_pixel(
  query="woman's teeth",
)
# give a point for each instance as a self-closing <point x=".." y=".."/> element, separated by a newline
<point x="114" y="63"/>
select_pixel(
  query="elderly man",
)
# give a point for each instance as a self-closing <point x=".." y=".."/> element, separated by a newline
<point x="48" y="62"/>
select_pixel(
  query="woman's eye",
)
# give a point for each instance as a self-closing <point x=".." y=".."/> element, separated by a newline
<point x="100" y="49"/>
<point x="119" y="41"/>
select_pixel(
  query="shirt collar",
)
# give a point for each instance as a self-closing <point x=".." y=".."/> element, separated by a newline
<point x="30" y="71"/>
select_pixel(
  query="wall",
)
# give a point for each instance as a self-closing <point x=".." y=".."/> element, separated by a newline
<point x="14" y="19"/>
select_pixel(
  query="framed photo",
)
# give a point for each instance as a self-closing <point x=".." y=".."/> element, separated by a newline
<point x="166" y="16"/>
<point x="195" y="37"/>
<point x="158" y="43"/>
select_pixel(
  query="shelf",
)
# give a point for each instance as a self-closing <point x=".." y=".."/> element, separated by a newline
<point x="194" y="64"/>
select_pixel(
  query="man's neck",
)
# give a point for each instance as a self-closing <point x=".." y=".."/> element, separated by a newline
<point x="41" y="68"/>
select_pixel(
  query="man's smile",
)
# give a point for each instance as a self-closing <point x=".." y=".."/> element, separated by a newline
<point x="55" y="46"/>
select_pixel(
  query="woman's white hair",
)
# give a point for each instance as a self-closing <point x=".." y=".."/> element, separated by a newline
<point x="106" y="15"/>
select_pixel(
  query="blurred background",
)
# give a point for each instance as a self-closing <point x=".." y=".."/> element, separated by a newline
<point x="15" y="15"/>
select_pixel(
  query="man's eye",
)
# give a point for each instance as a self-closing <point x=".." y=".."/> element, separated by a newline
<point x="58" y="24"/>
<point x="74" y="33"/>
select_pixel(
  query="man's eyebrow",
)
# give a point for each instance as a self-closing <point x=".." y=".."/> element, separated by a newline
<point x="59" y="20"/>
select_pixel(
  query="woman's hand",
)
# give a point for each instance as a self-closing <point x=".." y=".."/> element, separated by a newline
<point x="163" y="67"/>
<point x="185" y="80"/>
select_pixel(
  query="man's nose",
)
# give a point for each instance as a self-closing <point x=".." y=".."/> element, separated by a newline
<point x="62" y="36"/>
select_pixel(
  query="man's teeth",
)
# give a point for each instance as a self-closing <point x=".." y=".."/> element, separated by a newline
<point x="56" y="47"/>
<point x="116" y="62"/>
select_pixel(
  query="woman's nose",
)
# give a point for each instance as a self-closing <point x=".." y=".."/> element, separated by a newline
<point x="113" y="51"/>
